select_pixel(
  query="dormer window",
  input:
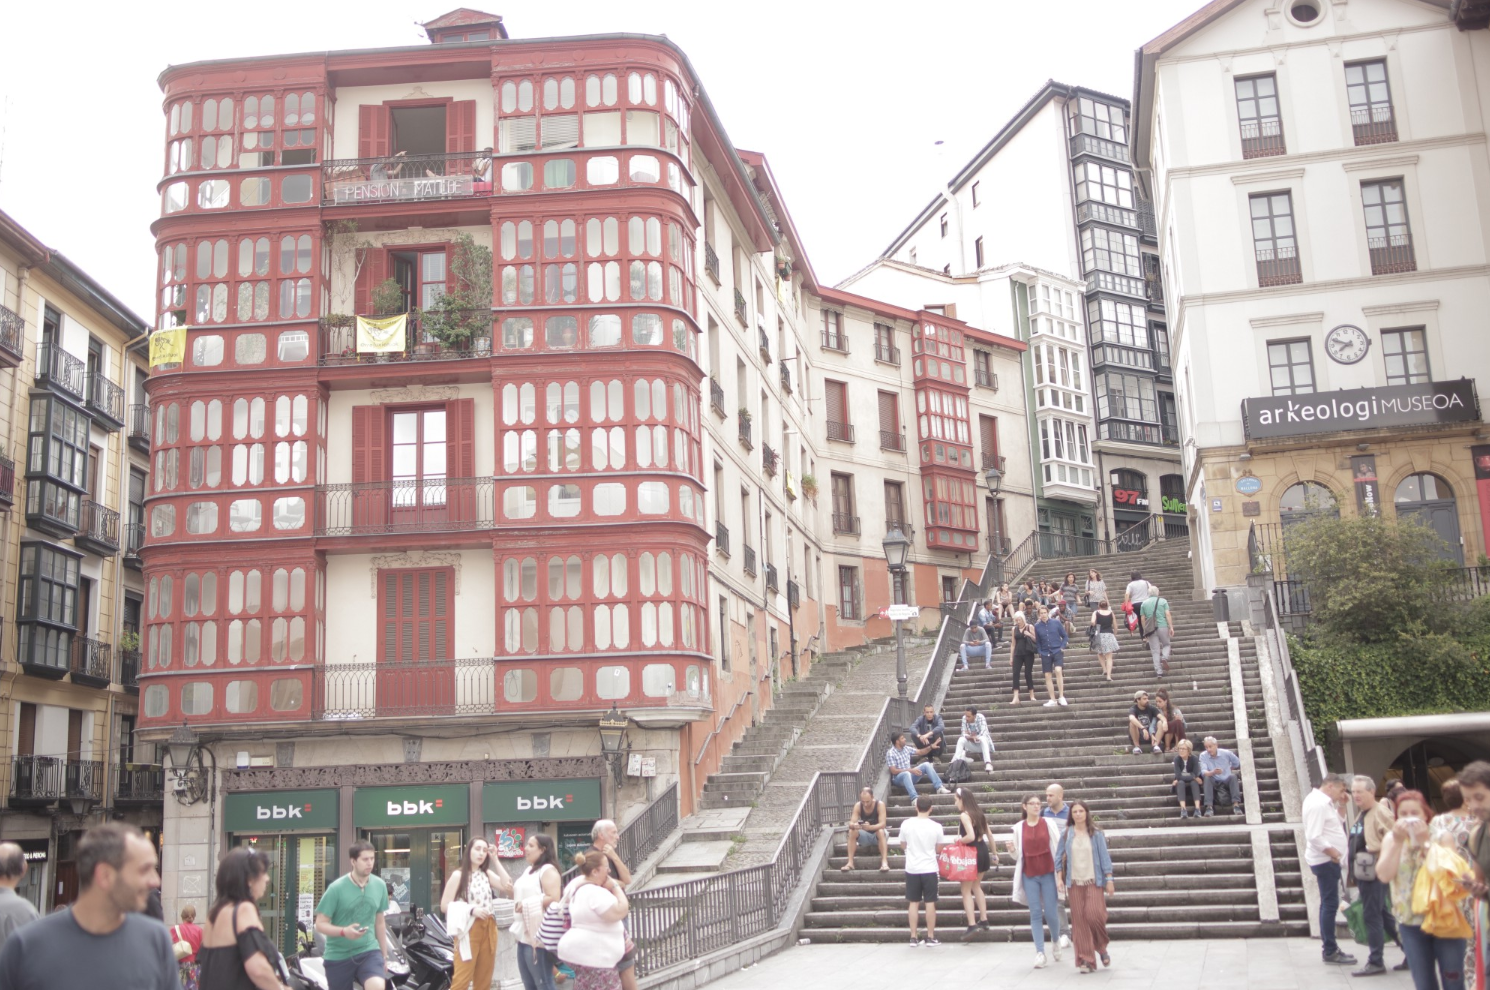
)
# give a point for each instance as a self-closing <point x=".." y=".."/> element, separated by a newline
<point x="464" y="24"/>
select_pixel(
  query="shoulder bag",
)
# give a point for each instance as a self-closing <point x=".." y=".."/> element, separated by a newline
<point x="179" y="945"/>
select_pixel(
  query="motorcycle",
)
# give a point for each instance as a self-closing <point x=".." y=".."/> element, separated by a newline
<point x="430" y="952"/>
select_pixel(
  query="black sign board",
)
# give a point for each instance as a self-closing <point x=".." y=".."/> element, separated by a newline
<point x="1426" y="404"/>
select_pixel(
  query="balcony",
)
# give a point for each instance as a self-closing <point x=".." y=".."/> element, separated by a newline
<point x="1278" y="266"/>
<point x="134" y="539"/>
<point x="1373" y="125"/>
<point x="845" y="524"/>
<point x="835" y="340"/>
<point x="1129" y="432"/>
<point x="786" y="378"/>
<point x="770" y="460"/>
<point x="750" y="561"/>
<point x="7" y="480"/>
<point x="1090" y="144"/>
<point x="37" y="781"/>
<point x="1263" y="138"/>
<point x="1391" y="255"/>
<point x="716" y="398"/>
<point x="137" y="783"/>
<point x="744" y="427"/>
<point x="12" y="337"/>
<point x="711" y="262"/>
<point x="1154" y="289"/>
<point x="891" y="440"/>
<point x="765" y="345"/>
<point x="139" y="427"/>
<point x="105" y="402"/>
<point x="1113" y="282"/>
<point x="771" y="584"/>
<point x="52" y="508"/>
<point x="993" y="461"/>
<point x="61" y="371"/>
<point x="721" y="538"/>
<point x="91" y="662"/>
<point x="467" y="333"/>
<point x="405" y="178"/>
<point x="98" y="529"/>
<point x="984" y="378"/>
<point x="886" y="353"/>
<point x="840" y="432"/>
<point x="129" y="670"/>
<point x="793" y="594"/>
<point x="1122" y="356"/>
<point x="427" y="505"/>
<point x="741" y="313"/>
<point x="1090" y="212"/>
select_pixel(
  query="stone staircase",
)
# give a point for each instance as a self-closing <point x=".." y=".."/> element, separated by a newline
<point x="1212" y="877"/>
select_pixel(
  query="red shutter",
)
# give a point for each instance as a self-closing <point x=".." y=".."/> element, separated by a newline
<point x="372" y="131"/>
<point x="374" y="270"/>
<point x="369" y="498"/>
<point x="460" y="458"/>
<point x="988" y="429"/>
<point x="889" y="414"/>
<point x="836" y="402"/>
<point x="417" y="631"/>
<point x="460" y="126"/>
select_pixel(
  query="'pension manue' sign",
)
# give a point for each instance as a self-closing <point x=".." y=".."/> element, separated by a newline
<point x="384" y="190"/>
<point x="1425" y="404"/>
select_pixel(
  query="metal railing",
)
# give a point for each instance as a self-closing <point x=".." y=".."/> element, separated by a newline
<point x="741" y="313"/>
<point x="835" y="340"/>
<point x="1391" y="255"/>
<point x="842" y="432"/>
<point x="1373" y="125"/>
<point x="995" y="461"/>
<point x="415" y="505"/>
<point x="129" y="668"/>
<point x="12" y="335"/>
<point x="744" y="431"/>
<point x="91" y="661"/>
<point x="771" y="582"/>
<point x="891" y="440"/>
<point x="845" y="523"/>
<point x="711" y="262"/>
<point x="886" y="353"/>
<point x="644" y="833"/>
<point x="765" y="345"/>
<point x="338" y="342"/>
<point x="1263" y="138"/>
<point x="54" y="366"/>
<point x="98" y="525"/>
<point x="7" y="479"/>
<point x="1278" y="267"/>
<point x="139" y="783"/>
<point x="786" y="377"/>
<point x="986" y="378"/>
<point x="404" y="689"/>
<point x="134" y="539"/>
<point x="721" y="538"/>
<point x="139" y="425"/>
<point x="793" y="593"/>
<point x="770" y="460"/>
<point x="406" y="178"/>
<point x="51" y="778"/>
<point x="1277" y="640"/>
<point x="716" y="397"/>
<point x="105" y="398"/>
<point x="749" y="562"/>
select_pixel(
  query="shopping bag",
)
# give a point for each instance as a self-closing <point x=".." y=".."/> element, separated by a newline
<point x="957" y="862"/>
<point x="1355" y="917"/>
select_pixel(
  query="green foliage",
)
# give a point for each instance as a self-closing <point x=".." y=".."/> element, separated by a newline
<point x="1428" y="673"/>
<point x="129" y="640"/>
<point x="464" y="312"/>
<point x="1371" y="580"/>
<point x="387" y="298"/>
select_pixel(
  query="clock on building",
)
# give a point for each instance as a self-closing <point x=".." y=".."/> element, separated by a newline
<point x="1347" y="344"/>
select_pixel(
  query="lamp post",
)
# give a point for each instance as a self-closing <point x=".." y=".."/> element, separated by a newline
<point x="897" y="548"/>
<point x="612" y="730"/>
<point x="193" y="779"/>
<point x="995" y="479"/>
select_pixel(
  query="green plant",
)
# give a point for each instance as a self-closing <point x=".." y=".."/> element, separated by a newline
<point x="744" y="414"/>
<point x="129" y="640"/>
<point x="387" y="298"/>
<point x="809" y="485"/>
<point x="463" y="313"/>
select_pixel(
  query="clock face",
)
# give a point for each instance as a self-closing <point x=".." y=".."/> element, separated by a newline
<point x="1347" y="344"/>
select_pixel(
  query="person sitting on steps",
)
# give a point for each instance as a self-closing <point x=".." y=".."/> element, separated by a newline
<point x="975" y="641"/>
<point x="898" y="759"/>
<point x="930" y="734"/>
<point x="868" y="828"/>
<point x="1219" y="768"/>
<point x="975" y="733"/>
<point x="1186" y="778"/>
<point x="1145" y="723"/>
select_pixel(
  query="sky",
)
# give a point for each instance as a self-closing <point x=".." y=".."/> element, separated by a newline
<point x="863" y="110"/>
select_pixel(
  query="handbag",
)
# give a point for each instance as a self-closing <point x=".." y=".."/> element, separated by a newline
<point x="1355" y="917"/>
<point x="957" y="862"/>
<point x="555" y="924"/>
<point x="180" y="946"/>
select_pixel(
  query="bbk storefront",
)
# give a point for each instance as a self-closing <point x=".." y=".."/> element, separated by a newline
<point x="297" y="830"/>
<point x="418" y="833"/>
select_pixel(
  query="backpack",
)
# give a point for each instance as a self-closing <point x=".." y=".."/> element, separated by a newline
<point x="1149" y="620"/>
<point x="960" y="772"/>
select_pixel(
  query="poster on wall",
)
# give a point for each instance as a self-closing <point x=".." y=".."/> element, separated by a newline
<point x="1367" y="488"/>
<point x="509" y="841"/>
<point x="1481" y="455"/>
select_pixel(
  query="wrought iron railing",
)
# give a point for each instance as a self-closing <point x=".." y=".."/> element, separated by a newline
<point x="7" y="480"/>
<point x="744" y="431"/>
<point x="134" y="540"/>
<point x="771" y="582"/>
<point x="1391" y="255"/>
<point x="843" y="522"/>
<point x="1278" y="267"/>
<point x="770" y="460"/>
<point x="765" y="345"/>
<point x="1276" y="634"/>
<point x="842" y="432"/>
<point x="129" y="669"/>
<point x="721" y="537"/>
<point x="52" y="778"/>
<point x="139" y="783"/>
<point x="891" y="440"/>
<point x="1373" y="125"/>
<point x="404" y="689"/>
<point x="741" y="313"/>
<point x="414" y="505"/>
<point x="644" y="834"/>
<point x="474" y="341"/>
<point x="711" y="262"/>
<point x="750" y="560"/>
<point x="406" y="178"/>
<point x="91" y="661"/>
<point x="716" y="397"/>
<point x="835" y="340"/>
<point x="986" y="378"/>
<point x="139" y="425"/>
<point x="99" y="525"/>
<point x="105" y="398"/>
<point x="1263" y="138"/>
<point x="12" y="335"/>
<point x="57" y="367"/>
<point x="886" y="353"/>
<point x="994" y="461"/>
<point x="786" y="377"/>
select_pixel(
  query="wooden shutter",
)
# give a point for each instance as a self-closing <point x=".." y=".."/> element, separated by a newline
<point x="374" y="271"/>
<point x="889" y="414"/>
<point x="372" y="131"/>
<point x="837" y="401"/>
<point x="26" y="730"/>
<point x="988" y="432"/>
<point x="460" y="126"/>
<point x="369" y="502"/>
<point x="74" y="734"/>
<point x="460" y="458"/>
<point x="416" y="614"/>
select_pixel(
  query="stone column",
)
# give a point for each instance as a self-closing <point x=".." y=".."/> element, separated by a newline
<point x="505" y="977"/>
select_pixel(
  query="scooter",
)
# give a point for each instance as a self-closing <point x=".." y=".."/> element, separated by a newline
<point x="308" y="972"/>
<point x="430" y="952"/>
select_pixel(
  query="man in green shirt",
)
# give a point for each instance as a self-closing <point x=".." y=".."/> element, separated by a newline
<point x="351" y="916"/>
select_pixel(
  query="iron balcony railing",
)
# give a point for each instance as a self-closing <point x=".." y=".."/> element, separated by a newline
<point x="1373" y="125"/>
<point x="61" y="370"/>
<point x="46" y="779"/>
<point x="835" y="340"/>
<point x="891" y="440"/>
<point x="786" y="377"/>
<point x="999" y="544"/>
<point x="91" y="662"/>
<point x="765" y="345"/>
<point x="129" y="669"/>
<point x="12" y="336"/>
<point x="886" y="353"/>
<point x="472" y="340"/>
<point x="793" y="594"/>
<point x="136" y="783"/>
<point x="842" y="432"/>
<point x="134" y="540"/>
<point x="405" y="178"/>
<point x="1278" y="266"/>
<point x="1391" y="255"/>
<point x="845" y="523"/>
<point x="750" y="560"/>
<point x="404" y="689"/>
<point x="1154" y="289"/>
<point x="716" y="397"/>
<point x="98" y="528"/>
<point x="711" y="262"/>
<point x="139" y="426"/>
<point x="106" y="399"/>
<point x="7" y="480"/>
<point x="771" y="584"/>
<point x="986" y="378"/>
<point x="741" y="313"/>
<point x="414" y="505"/>
<point x="770" y="460"/>
<point x="1263" y="138"/>
<point x="744" y="431"/>
<point x="994" y="461"/>
<point x="721" y="538"/>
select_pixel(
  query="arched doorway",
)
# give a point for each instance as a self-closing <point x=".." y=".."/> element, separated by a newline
<point x="1429" y="499"/>
<point x="1306" y="500"/>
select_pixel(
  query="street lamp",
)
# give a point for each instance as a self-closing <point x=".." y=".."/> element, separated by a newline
<point x="995" y="478"/>
<point x="897" y="549"/>
<point x="612" y="730"/>
<point x="192" y="776"/>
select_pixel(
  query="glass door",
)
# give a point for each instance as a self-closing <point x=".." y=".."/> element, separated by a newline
<point x="415" y="864"/>
<point x="300" y="867"/>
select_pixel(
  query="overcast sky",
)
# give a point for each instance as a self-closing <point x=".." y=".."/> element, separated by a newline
<point x="847" y="101"/>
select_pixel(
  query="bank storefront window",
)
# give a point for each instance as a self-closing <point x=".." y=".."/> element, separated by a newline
<point x="418" y="833"/>
<point x="297" y="831"/>
<point x="564" y="809"/>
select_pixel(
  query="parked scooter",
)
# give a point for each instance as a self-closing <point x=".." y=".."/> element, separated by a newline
<point x="430" y="952"/>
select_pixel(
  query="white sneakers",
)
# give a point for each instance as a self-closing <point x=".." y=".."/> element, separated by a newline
<point x="1039" y="960"/>
<point x="1063" y="700"/>
<point x="1051" y="703"/>
<point x="988" y="768"/>
<point x="1064" y="942"/>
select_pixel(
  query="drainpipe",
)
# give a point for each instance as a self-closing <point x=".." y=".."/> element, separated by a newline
<point x="15" y="391"/>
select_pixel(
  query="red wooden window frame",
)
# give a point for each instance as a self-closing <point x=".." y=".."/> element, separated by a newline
<point x="372" y="463"/>
<point x="375" y="125"/>
<point x="416" y="641"/>
<point x="378" y="266"/>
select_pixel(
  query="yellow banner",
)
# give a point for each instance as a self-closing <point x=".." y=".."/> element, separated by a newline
<point x="383" y="336"/>
<point x="168" y="346"/>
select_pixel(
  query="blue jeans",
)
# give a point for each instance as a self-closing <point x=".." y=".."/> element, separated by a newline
<point x="1435" y="962"/>
<point x="1328" y="875"/>
<point x="1044" y="908"/>
<point x="907" y="780"/>
<point x="535" y="967"/>
<point x="982" y="648"/>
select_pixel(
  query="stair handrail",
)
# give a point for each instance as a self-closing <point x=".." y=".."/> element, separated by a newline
<point x="1277" y="640"/>
<point x="722" y="723"/>
<point x="1014" y="563"/>
<point x="1138" y="535"/>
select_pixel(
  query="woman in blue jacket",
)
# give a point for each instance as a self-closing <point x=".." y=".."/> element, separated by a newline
<point x="1084" y="870"/>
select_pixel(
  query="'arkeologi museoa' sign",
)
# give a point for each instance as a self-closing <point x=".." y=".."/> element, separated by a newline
<point x="1426" y="404"/>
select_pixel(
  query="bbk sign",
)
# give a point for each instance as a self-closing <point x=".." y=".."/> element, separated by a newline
<point x="437" y="804"/>
<point x="541" y="801"/>
<point x="281" y="811"/>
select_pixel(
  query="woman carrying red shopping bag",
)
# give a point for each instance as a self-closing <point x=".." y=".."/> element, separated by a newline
<point x="973" y="835"/>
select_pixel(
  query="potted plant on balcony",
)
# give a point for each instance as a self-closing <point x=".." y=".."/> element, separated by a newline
<point x="129" y="641"/>
<point x="809" y="487"/>
<point x="460" y="320"/>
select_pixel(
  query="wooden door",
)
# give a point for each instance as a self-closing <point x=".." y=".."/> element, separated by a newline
<point x="67" y="883"/>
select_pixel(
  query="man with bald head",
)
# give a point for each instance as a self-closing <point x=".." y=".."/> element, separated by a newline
<point x="15" y="910"/>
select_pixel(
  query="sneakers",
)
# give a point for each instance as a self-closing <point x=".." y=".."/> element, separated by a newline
<point x="1063" y="700"/>
<point x="1064" y="942"/>
<point x="1370" y="969"/>
<point x="967" y="936"/>
<point x="1157" y="750"/>
<point x="1401" y="967"/>
<point x="1341" y="959"/>
<point x="1137" y="751"/>
<point x="1052" y="703"/>
<point x="943" y="790"/>
<point x="916" y="942"/>
<point x="1039" y="960"/>
<point x="988" y="768"/>
<point x="1184" y="812"/>
<point x="931" y="942"/>
<point x="1209" y="813"/>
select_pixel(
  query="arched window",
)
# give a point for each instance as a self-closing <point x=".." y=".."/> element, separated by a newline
<point x="1134" y="480"/>
<point x="1428" y="499"/>
<point x="1307" y="500"/>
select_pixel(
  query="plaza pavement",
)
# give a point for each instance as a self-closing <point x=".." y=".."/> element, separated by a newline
<point x="1203" y="964"/>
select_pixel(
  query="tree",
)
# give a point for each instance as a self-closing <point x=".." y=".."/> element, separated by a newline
<point x="464" y="312"/>
<point x="1371" y="580"/>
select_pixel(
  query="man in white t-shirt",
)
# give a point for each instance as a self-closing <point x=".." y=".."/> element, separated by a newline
<point x="1325" y="847"/>
<point x="920" y="836"/>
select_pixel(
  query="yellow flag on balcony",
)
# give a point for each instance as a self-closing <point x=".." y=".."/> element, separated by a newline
<point x="384" y="336"/>
<point x="168" y="346"/>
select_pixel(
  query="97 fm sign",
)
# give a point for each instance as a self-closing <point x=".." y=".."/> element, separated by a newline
<point x="1129" y="498"/>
